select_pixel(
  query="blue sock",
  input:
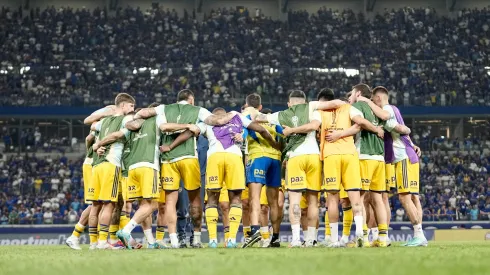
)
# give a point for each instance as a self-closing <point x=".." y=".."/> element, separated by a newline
<point x="254" y="229"/>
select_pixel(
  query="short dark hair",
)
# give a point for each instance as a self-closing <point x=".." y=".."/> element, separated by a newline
<point x="184" y="95"/>
<point x="326" y="94"/>
<point x="297" y="94"/>
<point x="266" y="111"/>
<point x="253" y="100"/>
<point x="380" y="89"/>
<point x="153" y="105"/>
<point x="217" y="109"/>
<point x="364" y="89"/>
<point x="243" y="107"/>
<point x="124" y="98"/>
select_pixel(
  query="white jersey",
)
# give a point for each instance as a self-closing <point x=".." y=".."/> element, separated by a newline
<point x="215" y="145"/>
<point x="398" y="145"/>
<point x="310" y="145"/>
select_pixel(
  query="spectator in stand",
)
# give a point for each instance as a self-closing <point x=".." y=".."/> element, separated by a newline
<point x="48" y="216"/>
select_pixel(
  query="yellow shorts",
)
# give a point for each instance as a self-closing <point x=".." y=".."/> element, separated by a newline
<point x="245" y="194"/>
<point x="303" y="204"/>
<point x="223" y="195"/>
<point x="341" y="170"/>
<point x="124" y="188"/>
<point x="225" y="169"/>
<point x="104" y="186"/>
<point x="390" y="176"/>
<point x="342" y="193"/>
<point x="263" y="196"/>
<point x="407" y="177"/>
<point x="186" y="170"/>
<point x="161" y="194"/>
<point x="143" y="183"/>
<point x="304" y="173"/>
<point x="87" y="177"/>
<point x="373" y="175"/>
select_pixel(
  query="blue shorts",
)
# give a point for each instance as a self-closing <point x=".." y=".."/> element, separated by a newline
<point x="264" y="170"/>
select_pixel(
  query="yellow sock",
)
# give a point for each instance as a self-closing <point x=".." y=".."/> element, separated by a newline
<point x="212" y="222"/>
<point x="123" y="221"/>
<point x="78" y="230"/>
<point x="347" y="220"/>
<point x="383" y="232"/>
<point x="112" y="232"/>
<point x="92" y="233"/>
<point x="235" y="220"/>
<point x="246" y="231"/>
<point x="327" y="225"/>
<point x="264" y="232"/>
<point x="160" y="233"/>
<point x="226" y="230"/>
<point x="103" y="232"/>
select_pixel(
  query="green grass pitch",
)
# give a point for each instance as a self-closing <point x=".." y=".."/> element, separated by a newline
<point x="439" y="258"/>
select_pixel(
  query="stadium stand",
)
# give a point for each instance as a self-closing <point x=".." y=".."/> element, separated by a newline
<point x="83" y="58"/>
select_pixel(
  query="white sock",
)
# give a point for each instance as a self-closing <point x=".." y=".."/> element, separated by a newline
<point x="367" y="235"/>
<point x="295" y="228"/>
<point x="316" y="235"/>
<point x="345" y="238"/>
<point x="311" y="233"/>
<point x="334" y="231"/>
<point x="111" y="241"/>
<point x="197" y="237"/>
<point x="375" y="233"/>
<point x="358" y="220"/>
<point x="305" y="235"/>
<point x="149" y="236"/>
<point x="174" y="241"/>
<point x="102" y="242"/>
<point x="130" y="226"/>
<point x="418" y="232"/>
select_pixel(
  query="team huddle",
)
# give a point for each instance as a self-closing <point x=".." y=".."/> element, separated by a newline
<point x="353" y="151"/>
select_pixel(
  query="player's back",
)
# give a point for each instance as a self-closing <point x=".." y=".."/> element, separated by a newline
<point x="113" y="151"/>
<point x="144" y="145"/>
<point x="257" y="145"/>
<point x="182" y="114"/>
<point x="336" y="120"/>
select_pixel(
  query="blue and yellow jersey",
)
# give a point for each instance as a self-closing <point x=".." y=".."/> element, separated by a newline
<point x="258" y="146"/>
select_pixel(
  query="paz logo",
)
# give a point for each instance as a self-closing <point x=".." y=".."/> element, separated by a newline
<point x="295" y="120"/>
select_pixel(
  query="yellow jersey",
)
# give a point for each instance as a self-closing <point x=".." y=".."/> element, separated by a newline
<point x="336" y="120"/>
<point x="258" y="146"/>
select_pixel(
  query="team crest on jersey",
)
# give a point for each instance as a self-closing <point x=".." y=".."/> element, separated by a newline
<point x="295" y="120"/>
<point x="178" y="118"/>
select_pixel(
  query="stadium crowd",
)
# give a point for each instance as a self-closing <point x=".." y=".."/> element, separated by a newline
<point x="80" y="57"/>
<point x="456" y="186"/>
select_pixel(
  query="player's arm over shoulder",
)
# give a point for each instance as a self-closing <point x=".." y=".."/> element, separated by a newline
<point x="326" y="105"/>
<point x="392" y="125"/>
